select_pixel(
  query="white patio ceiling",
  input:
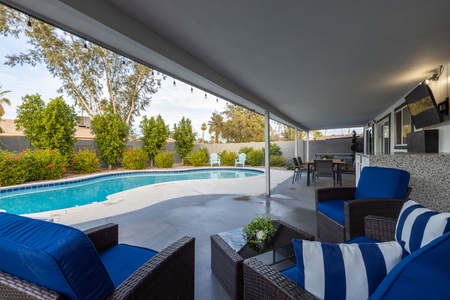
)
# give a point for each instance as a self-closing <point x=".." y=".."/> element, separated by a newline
<point x="314" y="64"/>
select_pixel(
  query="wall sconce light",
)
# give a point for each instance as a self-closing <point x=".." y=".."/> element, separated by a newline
<point x="443" y="107"/>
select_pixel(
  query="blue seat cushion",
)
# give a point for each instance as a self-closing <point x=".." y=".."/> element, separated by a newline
<point x="122" y="260"/>
<point x="334" y="209"/>
<point x="290" y="273"/>
<point x="58" y="257"/>
<point x="361" y="240"/>
<point x="378" y="182"/>
<point x="422" y="275"/>
<point x="344" y="271"/>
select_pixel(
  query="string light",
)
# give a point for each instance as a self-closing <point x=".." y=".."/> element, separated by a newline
<point x="217" y="100"/>
<point x="152" y="75"/>
<point x="206" y="96"/>
<point x="174" y="83"/>
<point x="192" y="89"/>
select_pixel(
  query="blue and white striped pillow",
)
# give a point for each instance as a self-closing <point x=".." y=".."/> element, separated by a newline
<point x="417" y="225"/>
<point x="344" y="271"/>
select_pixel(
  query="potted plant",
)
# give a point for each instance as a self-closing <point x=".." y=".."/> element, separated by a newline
<point x="259" y="232"/>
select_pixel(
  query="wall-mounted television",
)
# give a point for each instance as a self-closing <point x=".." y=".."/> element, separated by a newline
<point x="422" y="107"/>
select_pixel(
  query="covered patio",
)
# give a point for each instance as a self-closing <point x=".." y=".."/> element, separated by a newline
<point x="204" y="215"/>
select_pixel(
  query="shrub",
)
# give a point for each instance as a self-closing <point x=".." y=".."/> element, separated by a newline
<point x="164" y="159"/>
<point x="274" y="149"/>
<point x="255" y="158"/>
<point x="134" y="159"/>
<point x="198" y="158"/>
<point x="246" y="150"/>
<point x="227" y="158"/>
<point x="12" y="169"/>
<point x="85" y="161"/>
<point x="44" y="164"/>
<point x="277" y="161"/>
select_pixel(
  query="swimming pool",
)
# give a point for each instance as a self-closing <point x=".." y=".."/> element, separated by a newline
<point x="65" y="194"/>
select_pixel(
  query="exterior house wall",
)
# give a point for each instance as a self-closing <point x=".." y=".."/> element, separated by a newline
<point x="430" y="172"/>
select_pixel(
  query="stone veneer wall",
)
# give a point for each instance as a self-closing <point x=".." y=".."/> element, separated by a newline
<point x="430" y="176"/>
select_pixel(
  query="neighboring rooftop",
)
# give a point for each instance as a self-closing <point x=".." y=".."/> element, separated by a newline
<point x="9" y="130"/>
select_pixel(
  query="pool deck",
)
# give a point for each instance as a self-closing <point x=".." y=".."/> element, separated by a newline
<point x="141" y="197"/>
<point x="156" y="216"/>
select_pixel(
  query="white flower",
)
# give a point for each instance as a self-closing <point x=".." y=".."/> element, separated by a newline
<point x="259" y="234"/>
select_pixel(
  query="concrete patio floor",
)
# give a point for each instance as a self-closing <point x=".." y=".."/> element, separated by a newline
<point x="206" y="209"/>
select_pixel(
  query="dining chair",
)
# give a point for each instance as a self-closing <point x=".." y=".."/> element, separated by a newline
<point x="299" y="168"/>
<point x="324" y="168"/>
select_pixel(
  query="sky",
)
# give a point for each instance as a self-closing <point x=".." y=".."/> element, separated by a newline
<point x="172" y="103"/>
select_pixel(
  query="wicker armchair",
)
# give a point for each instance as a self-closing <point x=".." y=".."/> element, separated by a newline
<point x="262" y="282"/>
<point x="167" y="275"/>
<point x="340" y="217"/>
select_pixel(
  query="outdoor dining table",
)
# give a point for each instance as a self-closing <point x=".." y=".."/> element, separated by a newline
<point x="336" y="162"/>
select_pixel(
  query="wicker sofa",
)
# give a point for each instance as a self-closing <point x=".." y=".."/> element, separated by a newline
<point x="88" y="265"/>
<point x="421" y="275"/>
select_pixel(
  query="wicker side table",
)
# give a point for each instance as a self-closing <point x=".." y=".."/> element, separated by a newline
<point x="227" y="256"/>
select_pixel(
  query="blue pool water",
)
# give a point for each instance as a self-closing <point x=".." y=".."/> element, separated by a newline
<point x="60" y="195"/>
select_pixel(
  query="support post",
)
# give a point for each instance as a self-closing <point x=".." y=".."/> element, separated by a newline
<point x="267" y="152"/>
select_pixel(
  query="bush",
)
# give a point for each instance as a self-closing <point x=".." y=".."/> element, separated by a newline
<point x="198" y="158"/>
<point x="227" y="158"/>
<point x="134" y="159"/>
<point x="274" y="149"/>
<point x="44" y="164"/>
<point x="246" y="150"/>
<point x="12" y="169"/>
<point x="277" y="161"/>
<point x="85" y="161"/>
<point x="255" y="158"/>
<point x="164" y="159"/>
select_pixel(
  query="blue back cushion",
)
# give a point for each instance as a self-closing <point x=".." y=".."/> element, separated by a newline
<point x="122" y="260"/>
<point x="54" y="256"/>
<point x="333" y="209"/>
<point x="422" y="275"/>
<point x="378" y="182"/>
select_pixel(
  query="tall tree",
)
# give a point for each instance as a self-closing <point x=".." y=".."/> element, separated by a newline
<point x="242" y="125"/>
<point x="316" y="134"/>
<point x="184" y="137"/>
<point x="216" y="125"/>
<point x="48" y="127"/>
<point x="155" y="133"/>
<point x="3" y="101"/>
<point x="85" y="75"/>
<point x="111" y="134"/>
<point x="203" y="128"/>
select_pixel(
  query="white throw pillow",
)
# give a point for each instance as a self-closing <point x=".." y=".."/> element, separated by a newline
<point x="344" y="271"/>
<point x="417" y="225"/>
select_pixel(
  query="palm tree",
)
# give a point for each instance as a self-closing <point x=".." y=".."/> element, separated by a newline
<point x="203" y="128"/>
<point x="216" y="125"/>
<point x="3" y="101"/>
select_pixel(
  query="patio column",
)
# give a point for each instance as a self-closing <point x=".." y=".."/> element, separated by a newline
<point x="296" y="142"/>
<point x="307" y="145"/>
<point x="267" y="151"/>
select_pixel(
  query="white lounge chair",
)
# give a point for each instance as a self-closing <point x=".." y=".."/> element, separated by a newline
<point x="240" y="160"/>
<point x="214" y="159"/>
